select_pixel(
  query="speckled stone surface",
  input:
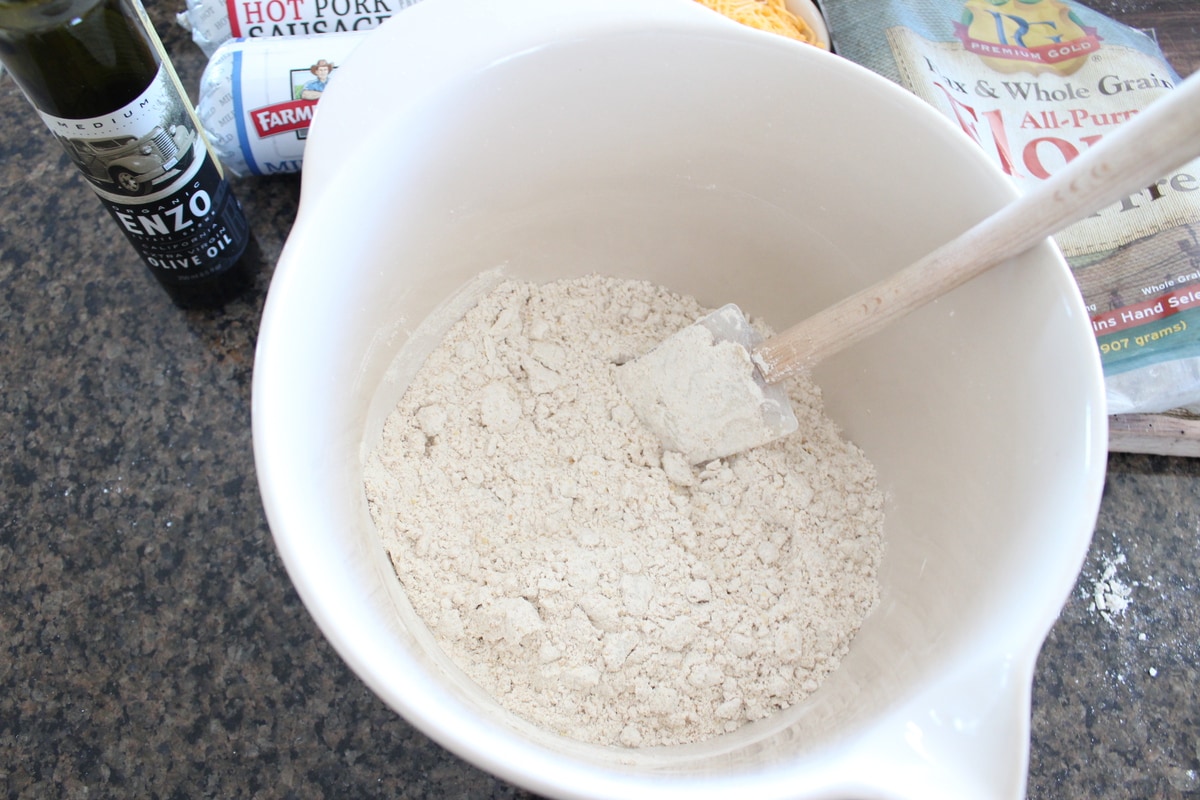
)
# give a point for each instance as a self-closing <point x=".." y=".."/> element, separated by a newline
<point x="152" y="646"/>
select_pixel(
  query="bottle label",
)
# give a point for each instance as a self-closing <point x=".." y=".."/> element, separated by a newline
<point x="153" y="171"/>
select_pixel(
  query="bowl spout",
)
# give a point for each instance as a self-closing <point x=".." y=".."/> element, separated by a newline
<point x="967" y="736"/>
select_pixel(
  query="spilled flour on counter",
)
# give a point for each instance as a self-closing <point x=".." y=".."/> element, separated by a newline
<point x="590" y="582"/>
<point x="1111" y="596"/>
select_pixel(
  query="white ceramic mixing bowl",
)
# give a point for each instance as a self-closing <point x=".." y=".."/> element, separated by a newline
<point x="655" y="139"/>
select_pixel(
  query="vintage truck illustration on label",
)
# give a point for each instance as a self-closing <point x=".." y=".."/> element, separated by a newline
<point x="132" y="165"/>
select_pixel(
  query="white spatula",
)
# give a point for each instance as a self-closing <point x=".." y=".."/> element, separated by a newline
<point x="676" y="388"/>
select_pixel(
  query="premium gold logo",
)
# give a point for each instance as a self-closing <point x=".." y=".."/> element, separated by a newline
<point x="1032" y="36"/>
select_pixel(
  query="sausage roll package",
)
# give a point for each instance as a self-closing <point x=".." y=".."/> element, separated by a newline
<point x="258" y="96"/>
<point x="214" y="22"/>
<point x="1034" y="83"/>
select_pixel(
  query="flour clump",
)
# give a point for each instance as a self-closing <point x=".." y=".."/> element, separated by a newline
<point x="592" y="583"/>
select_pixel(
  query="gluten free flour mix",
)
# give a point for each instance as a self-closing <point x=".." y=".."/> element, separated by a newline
<point x="590" y="582"/>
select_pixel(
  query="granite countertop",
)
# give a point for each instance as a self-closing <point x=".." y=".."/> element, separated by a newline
<point x="152" y="645"/>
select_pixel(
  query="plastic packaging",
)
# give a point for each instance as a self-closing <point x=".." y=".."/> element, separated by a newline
<point x="258" y="97"/>
<point x="1034" y="83"/>
<point x="214" y="22"/>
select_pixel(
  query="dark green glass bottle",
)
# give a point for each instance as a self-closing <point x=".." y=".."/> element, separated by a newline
<point x="97" y="74"/>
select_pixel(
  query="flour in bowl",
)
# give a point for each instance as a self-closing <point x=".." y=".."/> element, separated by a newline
<point x="592" y="583"/>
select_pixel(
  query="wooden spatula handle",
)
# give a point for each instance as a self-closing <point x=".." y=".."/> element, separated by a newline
<point x="1162" y="137"/>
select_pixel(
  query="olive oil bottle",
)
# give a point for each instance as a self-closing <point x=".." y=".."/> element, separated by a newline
<point x="97" y="74"/>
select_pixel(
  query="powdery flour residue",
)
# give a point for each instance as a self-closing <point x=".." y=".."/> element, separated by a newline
<point x="1111" y="595"/>
<point x="592" y="583"/>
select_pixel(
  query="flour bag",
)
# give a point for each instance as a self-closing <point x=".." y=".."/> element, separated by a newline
<point x="1035" y="83"/>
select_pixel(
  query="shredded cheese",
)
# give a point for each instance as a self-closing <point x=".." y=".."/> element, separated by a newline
<point x="767" y="15"/>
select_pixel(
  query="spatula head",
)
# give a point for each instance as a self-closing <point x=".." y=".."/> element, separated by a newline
<point x="701" y="394"/>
